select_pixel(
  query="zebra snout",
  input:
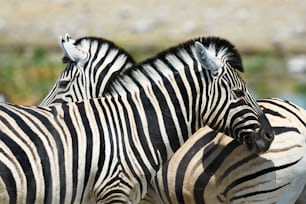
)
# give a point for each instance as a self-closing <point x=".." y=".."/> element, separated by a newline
<point x="259" y="143"/>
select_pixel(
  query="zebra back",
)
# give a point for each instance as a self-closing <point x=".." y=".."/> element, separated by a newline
<point x="92" y="64"/>
<point x="213" y="168"/>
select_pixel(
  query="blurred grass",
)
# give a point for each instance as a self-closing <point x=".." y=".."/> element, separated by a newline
<point x="27" y="74"/>
<point x="266" y="73"/>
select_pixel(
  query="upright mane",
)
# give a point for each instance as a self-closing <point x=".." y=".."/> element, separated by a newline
<point x="85" y="43"/>
<point x="219" y="49"/>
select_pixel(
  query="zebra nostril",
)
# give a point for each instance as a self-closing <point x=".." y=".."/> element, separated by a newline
<point x="269" y="136"/>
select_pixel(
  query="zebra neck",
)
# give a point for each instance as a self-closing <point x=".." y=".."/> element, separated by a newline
<point x="101" y="76"/>
<point x="166" y="117"/>
<point x="169" y="94"/>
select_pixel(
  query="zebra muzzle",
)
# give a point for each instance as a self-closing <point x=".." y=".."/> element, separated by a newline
<point x="259" y="143"/>
<point x="256" y="144"/>
<point x="266" y="130"/>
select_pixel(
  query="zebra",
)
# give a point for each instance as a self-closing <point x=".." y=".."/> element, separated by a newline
<point x="69" y="40"/>
<point x="107" y="150"/>
<point x="89" y="72"/>
<point x="212" y="168"/>
<point x="74" y="51"/>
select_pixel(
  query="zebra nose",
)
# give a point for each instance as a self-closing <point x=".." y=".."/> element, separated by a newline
<point x="267" y="135"/>
<point x="256" y="143"/>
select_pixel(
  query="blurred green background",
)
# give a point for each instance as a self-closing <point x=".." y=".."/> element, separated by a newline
<point x="271" y="39"/>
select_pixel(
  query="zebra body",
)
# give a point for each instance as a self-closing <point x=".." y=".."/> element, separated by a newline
<point x="212" y="168"/>
<point x="107" y="150"/>
<point x="67" y="154"/>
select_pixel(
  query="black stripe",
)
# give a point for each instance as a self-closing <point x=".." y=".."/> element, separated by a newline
<point x="104" y="71"/>
<point x="203" y="179"/>
<point x="102" y="75"/>
<point x="127" y="156"/>
<point x="285" y="108"/>
<point x="107" y="121"/>
<point x="100" y="60"/>
<point x="280" y="130"/>
<point x="101" y="161"/>
<point x="183" y="92"/>
<point x="194" y="92"/>
<point x="215" y="112"/>
<point x="85" y="66"/>
<point x="109" y="81"/>
<point x="271" y="112"/>
<point x="257" y="193"/>
<point x="183" y="165"/>
<point x="208" y="78"/>
<point x="61" y="161"/>
<point x="165" y="188"/>
<point x="257" y="174"/>
<point x="60" y="151"/>
<point x="8" y="178"/>
<point x="75" y="157"/>
<point x="34" y="137"/>
<point x="25" y="164"/>
<point x="236" y="165"/>
<point x="154" y="131"/>
<point x="178" y="79"/>
<point x="111" y="186"/>
<point x="168" y="117"/>
<point x="191" y="82"/>
<point x="89" y="144"/>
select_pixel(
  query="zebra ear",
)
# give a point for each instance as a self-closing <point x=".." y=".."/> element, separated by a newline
<point x="207" y="61"/>
<point x="72" y="52"/>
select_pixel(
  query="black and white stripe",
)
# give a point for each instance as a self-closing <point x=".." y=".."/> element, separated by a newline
<point x="213" y="168"/>
<point x="107" y="150"/>
<point x="222" y="141"/>
<point x="76" y="87"/>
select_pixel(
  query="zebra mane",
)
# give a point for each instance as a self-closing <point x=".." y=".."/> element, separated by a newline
<point x="219" y="48"/>
<point x="100" y="41"/>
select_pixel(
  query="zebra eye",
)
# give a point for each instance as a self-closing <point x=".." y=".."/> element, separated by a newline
<point x="63" y="84"/>
<point x="238" y="93"/>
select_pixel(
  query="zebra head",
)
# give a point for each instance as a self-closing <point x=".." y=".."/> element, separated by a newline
<point x="92" y="63"/>
<point x="233" y="107"/>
